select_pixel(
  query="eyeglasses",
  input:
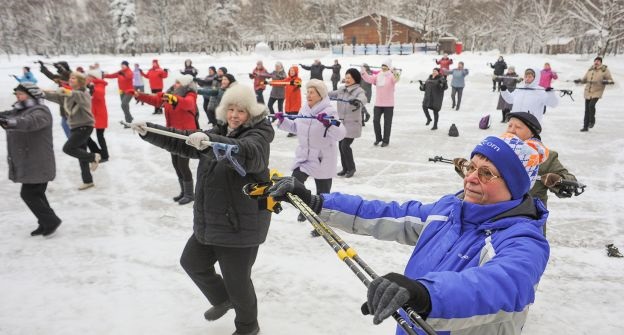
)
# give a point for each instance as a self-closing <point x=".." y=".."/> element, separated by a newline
<point x="484" y="174"/>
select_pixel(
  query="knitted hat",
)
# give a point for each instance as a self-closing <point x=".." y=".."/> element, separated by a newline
<point x="184" y="79"/>
<point x="319" y="86"/>
<point x="516" y="160"/>
<point x="223" y="69"/>
<point x="230" y="77"/>
<point x="244" y="98"/>
<point x="125" y="63"/>
<point x="31" y="89"/>
<point x="355" y="74"/>
<point x="387" y="62"/>
<point x="598" y="58"/>
<point x="95" y="73"/>
<point x="529" y="120"/>
<point x="531" y="71"/>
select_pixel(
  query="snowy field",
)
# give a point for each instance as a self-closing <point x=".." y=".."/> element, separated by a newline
<point x="113" y="265"/>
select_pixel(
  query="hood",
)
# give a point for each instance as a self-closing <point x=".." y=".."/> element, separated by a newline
<point x="535" y="83"/>
<point x="296" y="69"/>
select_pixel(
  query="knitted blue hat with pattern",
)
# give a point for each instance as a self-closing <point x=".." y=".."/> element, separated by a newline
<point x="516" y="160"/>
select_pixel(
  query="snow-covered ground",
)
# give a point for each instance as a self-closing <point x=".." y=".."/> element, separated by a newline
<point x="112" y="267"/>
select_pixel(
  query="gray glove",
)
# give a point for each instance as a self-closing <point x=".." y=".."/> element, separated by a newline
<point x="392" y="291"/>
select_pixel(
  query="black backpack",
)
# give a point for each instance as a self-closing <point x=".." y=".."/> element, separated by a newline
<point x="453" y="132"/>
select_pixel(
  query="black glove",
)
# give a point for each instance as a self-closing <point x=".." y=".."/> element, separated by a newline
<point x="548" y="89"/>
<point x="40" y="63"/>
<point x="166" y="70"/>
<point x="577" y="81"/>
<point x="503" y="88"/>
<point x="354" y="102"/>
<point x="291" y="185"/>
<point x="392" y="291"/>
<point x="7" y="123"/>
<point x="606" y="82"/>
<point x="292" y="82"/>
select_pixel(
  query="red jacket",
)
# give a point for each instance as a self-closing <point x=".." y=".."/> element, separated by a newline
<point x="292" y="93"/>
<point x="259" y="77"/>
<point x="98" y="103"/>
<point x="445" y="63"/>
<point x="124" y="79"/>
<point x="180" y="115"/>
<point x="155" y="75"/>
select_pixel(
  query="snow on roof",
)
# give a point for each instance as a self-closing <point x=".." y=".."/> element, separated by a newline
<point x="400" y="20"/>
<point x="559" y="41"/>
<point x="596" y="32"/>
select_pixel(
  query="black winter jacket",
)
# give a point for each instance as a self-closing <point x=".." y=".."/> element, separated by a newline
<point x="223" y="214"/>
<point x="434" y="92"/>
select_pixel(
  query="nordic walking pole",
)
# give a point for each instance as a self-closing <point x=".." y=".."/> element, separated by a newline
<point x="221" y="150"/>
<point x="346" y="254"/>
<point x="441" y="160"/>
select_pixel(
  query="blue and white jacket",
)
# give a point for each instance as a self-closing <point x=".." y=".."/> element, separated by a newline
<point x="27" y="77"/>
<point x="480" y="263"/>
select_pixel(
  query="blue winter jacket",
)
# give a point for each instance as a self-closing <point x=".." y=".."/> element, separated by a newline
<point x="480" y="263"/>
<point x="458" y="77"/>
<point x="28" y="77"/>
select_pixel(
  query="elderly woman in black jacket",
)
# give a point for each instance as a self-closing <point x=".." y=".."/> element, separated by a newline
<point x="228" y="226"/>
<point x="434" y="88"/>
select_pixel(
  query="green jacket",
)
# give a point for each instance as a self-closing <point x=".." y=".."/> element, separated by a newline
<point x="551" y="165"/>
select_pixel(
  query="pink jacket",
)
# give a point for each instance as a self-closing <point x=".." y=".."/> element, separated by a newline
<point x="546" y="77"/>
<point x="384" y="96"/>
<point x="317" y="152"/>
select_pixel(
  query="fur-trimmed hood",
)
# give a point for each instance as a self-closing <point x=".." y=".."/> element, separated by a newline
<point x="602" y="68"/>
<point x="245" y="98"/>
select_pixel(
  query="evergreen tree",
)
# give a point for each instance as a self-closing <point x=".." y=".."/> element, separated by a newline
<point x="124" y="22"/>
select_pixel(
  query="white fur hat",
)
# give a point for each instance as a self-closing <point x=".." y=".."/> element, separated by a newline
<point x="95" y="73"/>
<point x="185" y="79"/>
<point x="244" y="98"/>
<point x="387" y="62"/>
<point x="319" y="86"/>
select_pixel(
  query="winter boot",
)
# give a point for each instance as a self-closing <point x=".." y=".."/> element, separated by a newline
<point x="188" y="193"/>
<point x="217" y="311"/>
<point x="612" y="251"/>
<point x="253" y="332"/>
<point x="38" y="231"/>
<point x="181" y="195"/>
<point x="47" y="231"/>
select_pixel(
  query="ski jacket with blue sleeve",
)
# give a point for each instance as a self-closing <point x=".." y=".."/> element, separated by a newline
<point x="480" y="263"/>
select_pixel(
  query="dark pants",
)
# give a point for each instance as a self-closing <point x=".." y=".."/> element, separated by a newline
<point x="590" y="113"/>
<point x="76" y="146"/>
<point x="35" y="198"/>
<point x="181" y="166"/>
<point x="335" y="84"/>
<point x="458" y="91"/>
<point x="209" y="109"/>
<point x="505" y="111"/>
<point x="280" y="105"/>
<point x="495" y="82"/>
<point x="125" y="106"/>
<point x="322" y="185"/>
<point x="260" y="96"/>
<point x="198" y="260"/>
<point x="99" y="147"/>
<point x="436" y="114"/>
<point x="346" y="154"/>
<point x="157" y="110"/>
<point x="387" y="113"/>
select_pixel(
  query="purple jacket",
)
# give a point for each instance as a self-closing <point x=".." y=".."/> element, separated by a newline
<point x="546" y="77"/>
<point x="317" y="153"/>
<point x="384" y="96"/>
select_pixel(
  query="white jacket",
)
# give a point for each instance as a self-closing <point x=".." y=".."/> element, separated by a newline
<point x="531" y="98"/>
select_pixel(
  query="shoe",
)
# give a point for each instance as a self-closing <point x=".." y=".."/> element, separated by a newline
<point x="217" y="311"/>
<point x="314" y="233"/>
<point x="457" y="108"/>
<point x="612" y="251"/>
<point x="584" y="129"/>
<point x="341" y="173"/>
<point x="189" y="194"/>
<point x="434" y="128"/>
<point x="591" y="124"/>
<point x="350" y="173"/>
<point x="253" y="332"/>
<point x="301" y="218"/>
<point x="384" y="144"/>
<point x="50" y="230"/>
<point x="376" y="143"/>
<point x="85" y="186"/>
<point x="453" y="106"/>
<point x="291" y="135"/>
<point x="126" y="126"/>
<point x="428" y="122"/>
<point x="96" y="161"/>
<point x="37" y="232"/>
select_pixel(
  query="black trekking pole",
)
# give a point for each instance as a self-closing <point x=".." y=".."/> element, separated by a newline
<point x="348" y="255"/>
<point x="563" y="92"/>
<point x="441" y="159"/>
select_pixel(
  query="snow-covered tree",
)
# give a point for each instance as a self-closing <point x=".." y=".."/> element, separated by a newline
<point x="226" y="14"/>
<point x="605" y="16"/>
<point x="124" y="22"/>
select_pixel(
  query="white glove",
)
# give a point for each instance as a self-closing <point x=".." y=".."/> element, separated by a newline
<point x="197" y="140"/>
<point x="139" y="127"/>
